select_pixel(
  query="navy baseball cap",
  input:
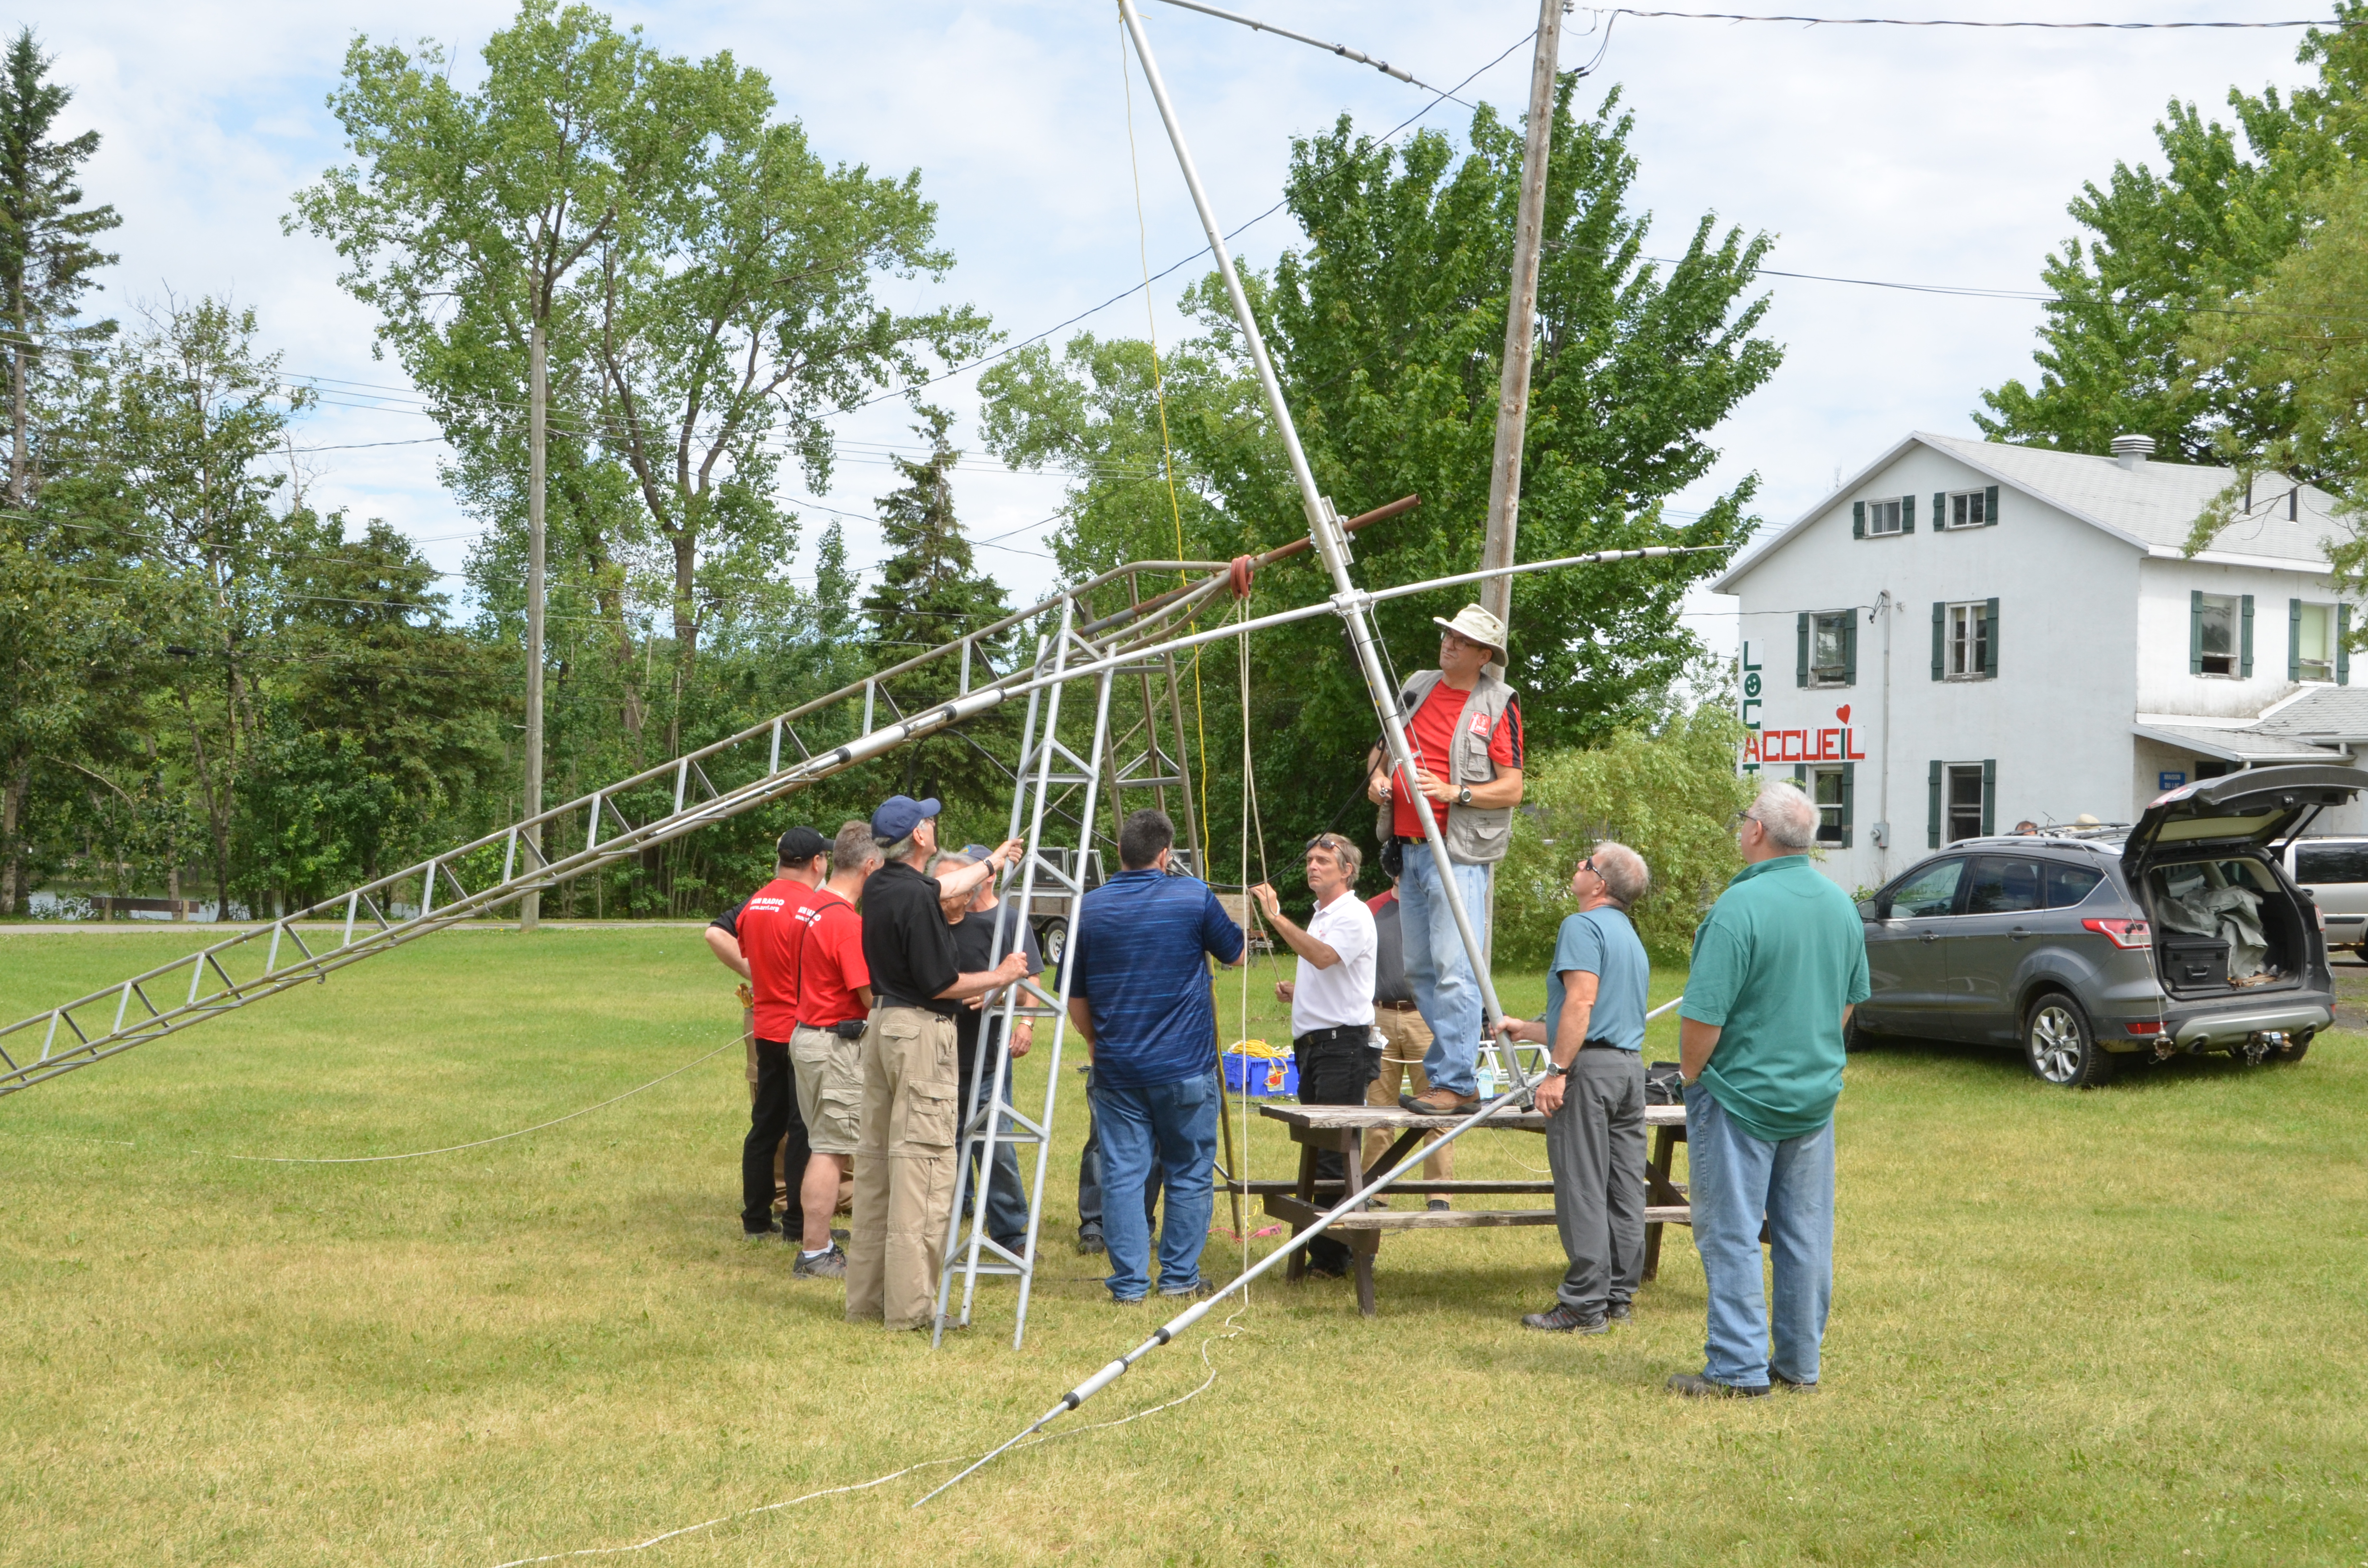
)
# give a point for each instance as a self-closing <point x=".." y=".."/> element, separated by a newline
<point x="899" y="814"/>
<point x="799" y="846"/>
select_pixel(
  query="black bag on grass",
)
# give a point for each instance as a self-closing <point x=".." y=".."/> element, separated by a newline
<point x="1663" y="1085"/>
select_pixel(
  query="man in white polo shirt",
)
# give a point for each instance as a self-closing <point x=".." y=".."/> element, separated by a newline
<point x="1331" y="1002"/>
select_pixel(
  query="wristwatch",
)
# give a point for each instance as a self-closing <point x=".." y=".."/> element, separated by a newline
<point x="1463" y="796"/>
<point x="1554" y="1069"/>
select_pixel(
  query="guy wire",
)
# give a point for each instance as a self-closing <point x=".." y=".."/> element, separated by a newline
<point x="1167" y="455"/>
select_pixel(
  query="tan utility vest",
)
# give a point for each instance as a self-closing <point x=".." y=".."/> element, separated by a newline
<point x="1476" y="836"/>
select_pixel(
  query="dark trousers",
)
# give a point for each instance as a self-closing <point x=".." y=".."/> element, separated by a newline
<point x="1595" y="1145"/>
<point x="771" y="1118"/>
<point x="1089" y="1177"/>
<point x="1335" y="1066"/>
<point x="1007" y="1200"/>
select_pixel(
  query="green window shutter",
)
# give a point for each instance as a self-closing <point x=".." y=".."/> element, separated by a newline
<point x="2343" y="644"/>
<point x="2294" y="640"/>
<point x="1989" y="638"/>
<point x="1932" y="810"/>
<point x="1801" y="775"/>
<point x="1849" y="649"/>
<point x="1989" y="507"/>
<point x="1939" y="511"/>
<point x="1849" y="800"/>
<point x="1907" y="514"/>
<point x="1989" y="796"/>
<point x="2195" y="631"/>
<point x="1940" y="613"/>
<point x="1801" y="651"/>
<point x="2245" y="657"/>
<point x="1858" y="519"/>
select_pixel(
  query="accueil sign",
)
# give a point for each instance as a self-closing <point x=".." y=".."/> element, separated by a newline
<point x="1833" y="742"/>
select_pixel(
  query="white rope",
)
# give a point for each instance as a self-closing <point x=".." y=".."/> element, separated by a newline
<point x="1233" y="1330"/>
<point x="416" y="1154"/>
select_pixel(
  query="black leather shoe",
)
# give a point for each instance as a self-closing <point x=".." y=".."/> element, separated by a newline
<point x="1620" y="1311"/>
<point x="1089" y="1242"/>
<point x="1790" y="1385"/>
<point x="1693" y="1385"/>
<point x="1563" y="1318"/>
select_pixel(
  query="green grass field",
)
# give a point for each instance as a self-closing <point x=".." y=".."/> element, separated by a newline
<point x="2121" y="1326"/>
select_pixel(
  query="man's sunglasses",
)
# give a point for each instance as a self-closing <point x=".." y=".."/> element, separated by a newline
<point x="1326" y="841"/>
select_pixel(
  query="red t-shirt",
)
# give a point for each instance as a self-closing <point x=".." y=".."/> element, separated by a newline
<point x="832" y="953"/>
<point x="767" y="927"/>
<point x="1430" y="735"/>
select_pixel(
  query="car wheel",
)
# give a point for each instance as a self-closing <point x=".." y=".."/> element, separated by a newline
<point x="2059" y="1046"/>
<point x="2293" y="1053"/>
<point x="1053" y="942"/>
<point x="1855" y="1036"/>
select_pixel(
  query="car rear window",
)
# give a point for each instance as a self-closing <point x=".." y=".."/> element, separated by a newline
<point x="2068" y="885"/>
<point x="2003" y="884"/>
<point x="2331" y="862"/>
<point x="1932" y="891"/>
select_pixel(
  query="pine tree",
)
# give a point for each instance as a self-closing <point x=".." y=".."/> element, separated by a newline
<point x="930" y="592"/>
<point x="46" y="254"/>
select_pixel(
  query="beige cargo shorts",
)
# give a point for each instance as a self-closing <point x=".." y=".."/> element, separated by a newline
<point x="830" y="1088"/>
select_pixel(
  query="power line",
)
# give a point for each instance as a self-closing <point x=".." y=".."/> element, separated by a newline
<point x="1954" y="22"/>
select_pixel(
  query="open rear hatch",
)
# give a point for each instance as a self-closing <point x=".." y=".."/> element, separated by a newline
<point x="2203" y="859"/>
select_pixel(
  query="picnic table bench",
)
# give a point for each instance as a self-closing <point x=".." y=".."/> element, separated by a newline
<point x="1341" y="1129"/>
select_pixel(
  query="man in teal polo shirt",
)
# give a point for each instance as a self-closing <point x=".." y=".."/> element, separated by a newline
<point x="1778" y="965"/>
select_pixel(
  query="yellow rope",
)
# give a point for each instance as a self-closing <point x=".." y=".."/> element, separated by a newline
<point x="1167" y="457"/>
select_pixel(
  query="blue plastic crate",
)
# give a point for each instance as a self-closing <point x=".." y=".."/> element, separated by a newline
<point x="1268" y="1076"/>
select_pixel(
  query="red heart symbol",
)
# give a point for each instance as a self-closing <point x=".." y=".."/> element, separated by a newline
<point x="1842" y="713"/>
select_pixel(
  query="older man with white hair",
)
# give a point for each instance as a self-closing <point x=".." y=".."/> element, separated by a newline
<point x="1778" y="965"/>
<point x="1593" y="1092"/>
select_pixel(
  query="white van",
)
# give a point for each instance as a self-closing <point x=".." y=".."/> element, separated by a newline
<point x="2334" y="871"/>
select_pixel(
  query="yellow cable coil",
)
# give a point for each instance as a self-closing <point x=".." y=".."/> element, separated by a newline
<point x="1260" y="1050"/>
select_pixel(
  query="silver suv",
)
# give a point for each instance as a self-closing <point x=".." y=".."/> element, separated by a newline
<point x="2334" y="871"/>
<point x="2183" y="933"/>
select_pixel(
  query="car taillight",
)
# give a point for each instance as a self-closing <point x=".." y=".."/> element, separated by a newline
<point x="2123" y="933"/>
<point x="2148" y="1026"/>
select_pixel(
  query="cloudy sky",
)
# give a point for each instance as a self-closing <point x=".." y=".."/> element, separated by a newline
<point x="1900" y="155"/>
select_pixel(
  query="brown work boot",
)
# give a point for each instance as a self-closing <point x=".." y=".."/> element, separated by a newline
<point x="1436" y="1101"/>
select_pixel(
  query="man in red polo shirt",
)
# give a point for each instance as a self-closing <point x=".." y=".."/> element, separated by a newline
<point x="757" y="940"/>
<point x="834" y="1000"/>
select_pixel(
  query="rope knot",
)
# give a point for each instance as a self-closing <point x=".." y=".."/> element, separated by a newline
<point x="1239" y="575"/>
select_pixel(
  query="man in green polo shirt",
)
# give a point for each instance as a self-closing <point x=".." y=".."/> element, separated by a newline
<point x="1777" y="964"/>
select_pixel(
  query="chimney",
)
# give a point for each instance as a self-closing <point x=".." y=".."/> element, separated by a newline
<point x="2131" y="452"/>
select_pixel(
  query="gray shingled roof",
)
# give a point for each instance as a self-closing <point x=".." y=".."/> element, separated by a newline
<point x="2327" y="713"/>
<point x="2237" y="746"/>
<point x="2155" y="502"/>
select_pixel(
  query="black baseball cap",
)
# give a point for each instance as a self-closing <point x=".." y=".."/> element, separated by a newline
<point x="799" y="846"/>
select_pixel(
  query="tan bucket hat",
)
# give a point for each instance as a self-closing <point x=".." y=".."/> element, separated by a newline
<point x="1476" y="625"/>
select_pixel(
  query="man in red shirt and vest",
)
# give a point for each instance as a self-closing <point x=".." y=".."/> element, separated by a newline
<point x="1463" y="726"/>
<point x="834" y="1000"/>
<point x="758" y="941"/>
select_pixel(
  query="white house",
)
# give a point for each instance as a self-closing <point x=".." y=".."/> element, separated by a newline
<point x="1968" y="635"/>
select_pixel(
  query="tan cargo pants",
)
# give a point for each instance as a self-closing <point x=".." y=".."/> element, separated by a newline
<point x="904" y="1168"/>
<point x="1408" y="1038"/>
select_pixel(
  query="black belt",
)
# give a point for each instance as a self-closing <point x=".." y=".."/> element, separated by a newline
<point x="1360" y="1033"/>
<point x="1602" y="1045"/>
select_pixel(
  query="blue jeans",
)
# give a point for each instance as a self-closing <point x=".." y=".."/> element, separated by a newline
<point x="1089" y="1176"/>
<point x="1444" y="990"/>
<point x="1733" y="1180"/>
<point x="1175" y="1124"/>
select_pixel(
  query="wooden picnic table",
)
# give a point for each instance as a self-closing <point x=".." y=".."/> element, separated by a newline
<point x="1341" y="1129"/>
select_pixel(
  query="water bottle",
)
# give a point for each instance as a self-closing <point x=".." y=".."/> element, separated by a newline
<point x="1485" y="1075"/>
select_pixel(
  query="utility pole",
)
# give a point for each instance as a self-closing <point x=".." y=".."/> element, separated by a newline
<point x="531" y="906"/>
<point x="1521" y="320"/>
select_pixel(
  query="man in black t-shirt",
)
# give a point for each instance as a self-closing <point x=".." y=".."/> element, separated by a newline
<point x="905" y="1158"/>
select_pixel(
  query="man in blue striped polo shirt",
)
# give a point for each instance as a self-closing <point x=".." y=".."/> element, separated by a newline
<point x="1140" y="998"/>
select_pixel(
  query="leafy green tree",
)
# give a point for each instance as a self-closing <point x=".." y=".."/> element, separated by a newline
<point x="2295" y="333"/>
<point x="1666" y="791"/>
<point x="46" y="250"/>
<point x="1388" y="330"/>
<point x="2116" y="351"/>
<point x="930" y="592"/>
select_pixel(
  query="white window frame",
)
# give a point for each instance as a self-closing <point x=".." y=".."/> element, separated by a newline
<point x="1965" y="641"/>
<point x="2327" y="666"/>
<point x="1840" y="674"/>
<point x="1830" y="812"/>
<point x="2234" y="656"/>
<point x="1950" y="774"/>
<point x="1967" y="509"/>
<point x="1878" y="512"/>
